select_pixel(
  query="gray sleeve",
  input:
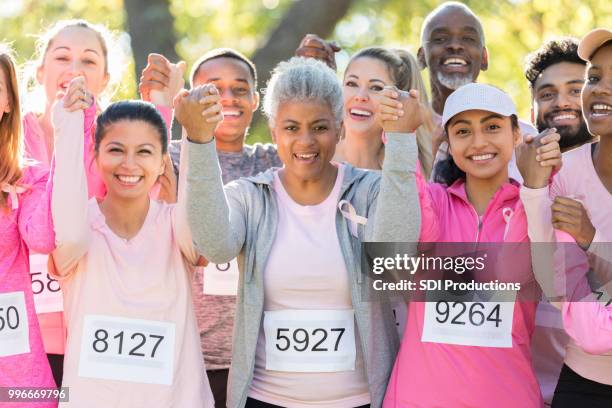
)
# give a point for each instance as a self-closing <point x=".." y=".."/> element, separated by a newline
<point x="174" y="148"/>
<point x="396" y="211"/>
<point x="217" y="216"/>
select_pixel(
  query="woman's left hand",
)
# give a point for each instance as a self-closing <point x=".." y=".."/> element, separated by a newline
<point x="569" y="215"/>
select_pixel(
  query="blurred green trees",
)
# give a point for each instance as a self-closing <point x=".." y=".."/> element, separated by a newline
<point x="513" y="28"/>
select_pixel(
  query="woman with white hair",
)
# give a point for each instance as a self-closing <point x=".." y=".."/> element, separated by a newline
<point x="303" y="334"/>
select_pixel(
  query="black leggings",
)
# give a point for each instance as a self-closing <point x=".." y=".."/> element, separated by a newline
<point x="253" y="403"/>
<point x="56" y="361"/>
<point x="575" y="391"/>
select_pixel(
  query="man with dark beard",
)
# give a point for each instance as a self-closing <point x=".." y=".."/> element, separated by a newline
<point x="556" y="75"/>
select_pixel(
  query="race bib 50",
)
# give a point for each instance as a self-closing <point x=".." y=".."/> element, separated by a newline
<point x="14" y="330"/>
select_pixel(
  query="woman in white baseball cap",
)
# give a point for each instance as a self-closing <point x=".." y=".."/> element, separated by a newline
<point x="445" y="359"/>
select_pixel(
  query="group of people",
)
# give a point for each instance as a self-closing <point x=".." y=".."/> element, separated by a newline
<point x="138" y="271"/>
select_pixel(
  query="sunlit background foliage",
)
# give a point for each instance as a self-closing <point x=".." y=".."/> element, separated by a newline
<point x="513" y="28"/>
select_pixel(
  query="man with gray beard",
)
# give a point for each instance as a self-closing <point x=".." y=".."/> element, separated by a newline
<point x="453" y="49"/>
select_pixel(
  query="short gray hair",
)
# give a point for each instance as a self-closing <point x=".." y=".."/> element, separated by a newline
<point x="303" y="79"/>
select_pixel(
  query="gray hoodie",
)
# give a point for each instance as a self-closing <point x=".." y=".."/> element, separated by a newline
<point x="240" y="219"/>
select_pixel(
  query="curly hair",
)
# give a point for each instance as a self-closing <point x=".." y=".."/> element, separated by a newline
<point x="558" y="50"/>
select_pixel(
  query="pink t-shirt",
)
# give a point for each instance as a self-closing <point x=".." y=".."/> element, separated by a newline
<point x="132" y="333"/>
<point x="117" y="278"/>
<point x="36" y="147"/>
<point x="306" y="271"/>
<point x="27" y="225"/>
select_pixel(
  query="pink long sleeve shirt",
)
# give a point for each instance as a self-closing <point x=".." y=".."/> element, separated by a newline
<point x="582" y="320"/>
<point x="437" y="374"/>
<point x="26" y="223"/>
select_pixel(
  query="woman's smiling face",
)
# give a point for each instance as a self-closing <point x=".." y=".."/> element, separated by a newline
<point x="482" y="142"/>
<point x="364" y="79"/>
<point x="597" y="92"/>
<point x="306" y="134"/>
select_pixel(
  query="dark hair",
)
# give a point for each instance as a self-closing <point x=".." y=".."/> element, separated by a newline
<point x="224" y="53"/>
<point x="558" y="50"/>
<point x="447" y="172"/>
<point x="131" y="111"/>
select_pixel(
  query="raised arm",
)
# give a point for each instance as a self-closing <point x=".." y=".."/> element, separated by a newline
<point x="397" y="216"/>
<point x="69" y="198"/>
<point x="313" y="46"/>
<point x="160" y="82"/>
<point x="217" y="218"/>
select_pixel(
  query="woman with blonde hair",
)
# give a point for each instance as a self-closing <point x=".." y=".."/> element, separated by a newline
<point x="368" y="72"/>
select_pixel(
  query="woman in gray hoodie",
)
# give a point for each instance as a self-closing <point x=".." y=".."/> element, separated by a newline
<point x="304" y="335"/>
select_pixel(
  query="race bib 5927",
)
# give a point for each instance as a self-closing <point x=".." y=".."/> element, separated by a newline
<point x="310" y="340"/>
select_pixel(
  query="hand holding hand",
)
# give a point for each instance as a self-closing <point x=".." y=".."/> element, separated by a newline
<point x="76" y="96"/>
<point x="313" y="46"/>
<point x="161" y="80"/>
<point x="399" y="111"/>
<point x="199" y="112"/>
<point x="537" y="156"/>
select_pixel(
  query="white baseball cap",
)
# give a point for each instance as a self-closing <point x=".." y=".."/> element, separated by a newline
<point x="478" y="97"/>
<point x="592" y="41"/>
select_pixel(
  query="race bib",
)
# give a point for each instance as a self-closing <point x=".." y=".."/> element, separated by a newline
<point x="484" y="324"/>
<point x="310" y="341"/>
<point x="221" y="279"/>
<point x="14" y="329"/>
<point x="47" y="292"/>
<point x="134" y="350"/>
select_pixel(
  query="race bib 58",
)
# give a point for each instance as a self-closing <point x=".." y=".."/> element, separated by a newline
<point x="47" y="292"/>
